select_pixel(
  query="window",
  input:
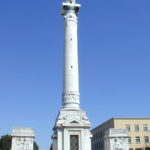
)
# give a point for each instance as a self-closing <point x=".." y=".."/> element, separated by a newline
<point x="101" y="134"/>
<point x="96" y="145"/>
<point x="136" y="127"/>
<point x="137" y="139"/>
<point x="128" y="127"/>
<point x="129" y="140"/>
<point x="145" y="128"/>
<point x="93" y="137"/>
<point x="96" y="136"/>
<point x="146" y="139"/>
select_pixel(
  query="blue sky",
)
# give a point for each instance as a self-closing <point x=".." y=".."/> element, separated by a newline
<point x="114" y="62"/>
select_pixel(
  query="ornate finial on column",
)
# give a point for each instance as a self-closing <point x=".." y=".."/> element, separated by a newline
<point x="71" y="1"/>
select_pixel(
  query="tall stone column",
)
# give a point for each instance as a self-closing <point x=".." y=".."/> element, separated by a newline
<point x="71" y="77"/>
<point x="71" y="130"/>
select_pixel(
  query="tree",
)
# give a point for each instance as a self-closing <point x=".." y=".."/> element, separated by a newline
<point x="51" y="147"/>
<point x="5" y="143"/>
<point x="36" y="147"/>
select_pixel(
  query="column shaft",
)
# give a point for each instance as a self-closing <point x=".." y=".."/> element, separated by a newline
<point x="71" y="73"/>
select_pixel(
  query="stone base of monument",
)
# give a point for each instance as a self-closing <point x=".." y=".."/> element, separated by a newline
<point x="116" y="139"/>
<point x="22" y="139"/>
<point x="71" y="131"/>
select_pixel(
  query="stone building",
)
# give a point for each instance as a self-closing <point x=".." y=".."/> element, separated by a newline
<point x="138" y="129"/>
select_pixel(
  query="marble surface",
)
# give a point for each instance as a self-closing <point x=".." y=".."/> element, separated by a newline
<point x="72" y="125"/>
<point x="116" y="139"/>
<point x="22" y="139"/>
<point x="71" y="122"/>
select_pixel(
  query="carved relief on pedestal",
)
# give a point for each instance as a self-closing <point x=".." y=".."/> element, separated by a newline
<point x="118" y="144"/>
<point x="116" y="139"/>
<point x="23" y="143"/>
<point x="22" y="138"/>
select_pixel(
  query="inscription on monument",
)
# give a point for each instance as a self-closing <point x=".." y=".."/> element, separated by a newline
<point x="22" y="139"/>
<point x="24" y="143"/>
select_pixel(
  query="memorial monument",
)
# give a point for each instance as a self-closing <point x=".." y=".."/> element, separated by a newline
<point x="116" y="139"/>
<point x="22" y="139"/>
<point x="71" y="130"/>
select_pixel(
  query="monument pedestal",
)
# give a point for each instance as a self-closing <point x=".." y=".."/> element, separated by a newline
<point x="71" y="131"/>
<point x="22" y="139"/>
<point x="116" y="139"/>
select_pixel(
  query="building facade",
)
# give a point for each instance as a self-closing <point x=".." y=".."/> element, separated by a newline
<point x="138" y="129"/>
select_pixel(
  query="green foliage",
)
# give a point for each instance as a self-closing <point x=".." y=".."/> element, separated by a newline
<point x="5" y="143"/>
<point x="36" y="146"/>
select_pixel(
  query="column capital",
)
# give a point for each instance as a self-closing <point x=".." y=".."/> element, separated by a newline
<point x="70" y="6"/>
